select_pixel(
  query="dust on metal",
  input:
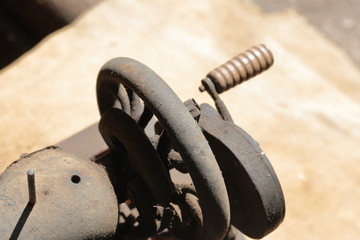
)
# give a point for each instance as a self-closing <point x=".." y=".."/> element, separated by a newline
<point x="31" y="186"/>
<point x="175" y="169"/>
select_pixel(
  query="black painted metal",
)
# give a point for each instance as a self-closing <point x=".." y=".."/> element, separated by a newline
<point x="156" y="144"/>
<point x="256" y="198"/>
<point x="220" y="105"/>
<point x="182" y="130"/>
<point x="119" y="130"/>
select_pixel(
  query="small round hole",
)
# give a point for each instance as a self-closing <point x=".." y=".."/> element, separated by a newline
<point x="75" y="179"/>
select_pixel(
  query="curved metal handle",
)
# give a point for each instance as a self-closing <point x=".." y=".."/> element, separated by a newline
<point x="182" y="130"/>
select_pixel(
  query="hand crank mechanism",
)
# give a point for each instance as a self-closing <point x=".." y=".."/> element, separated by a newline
<point x="172" y="169"/>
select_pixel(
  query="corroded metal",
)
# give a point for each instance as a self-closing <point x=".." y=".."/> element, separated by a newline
<point x="74" y="199"/>
<point x="181" y="129"/>
<point x="256" y="198"/>
<point x="241" y="68"/>
<point x="177" y="169"/>
<point x="220" y="105"/>
<point x="122" y="133"/>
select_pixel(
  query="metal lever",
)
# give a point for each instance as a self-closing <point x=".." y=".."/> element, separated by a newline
<point x="240" y="68"/>
<point x="220" y="105"/>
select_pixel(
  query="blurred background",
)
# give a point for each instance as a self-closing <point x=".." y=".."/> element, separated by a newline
<point x="304" y="111"/>
<point x="25" y="23"/>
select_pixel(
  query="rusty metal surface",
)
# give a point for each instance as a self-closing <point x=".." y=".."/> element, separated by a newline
<point x="286" y="111"/>
<point x="256" y="198"/>
<point x="241" y="68"/>
<point x="122" y="133"/>
<point x="220" y="105"/>
<point x="176" y="169"/>
<point x="182" y="130"/>
<point x="74" y="199"/>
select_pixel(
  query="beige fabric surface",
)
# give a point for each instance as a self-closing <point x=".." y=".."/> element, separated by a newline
<point x="304" y="112"/>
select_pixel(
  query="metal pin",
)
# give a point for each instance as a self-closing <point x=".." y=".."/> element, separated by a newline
<point x="31" y="186"/>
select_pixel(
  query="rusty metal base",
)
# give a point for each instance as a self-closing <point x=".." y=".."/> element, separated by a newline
<point x="74" y="199"/>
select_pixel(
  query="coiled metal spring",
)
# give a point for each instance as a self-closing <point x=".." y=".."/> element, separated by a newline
<point x="240" y="68"/>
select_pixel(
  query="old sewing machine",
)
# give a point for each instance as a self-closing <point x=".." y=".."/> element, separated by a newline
<point x="170" y="170"/>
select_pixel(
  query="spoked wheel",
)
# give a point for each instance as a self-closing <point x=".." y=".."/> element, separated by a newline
<point x="129" y="94"/>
